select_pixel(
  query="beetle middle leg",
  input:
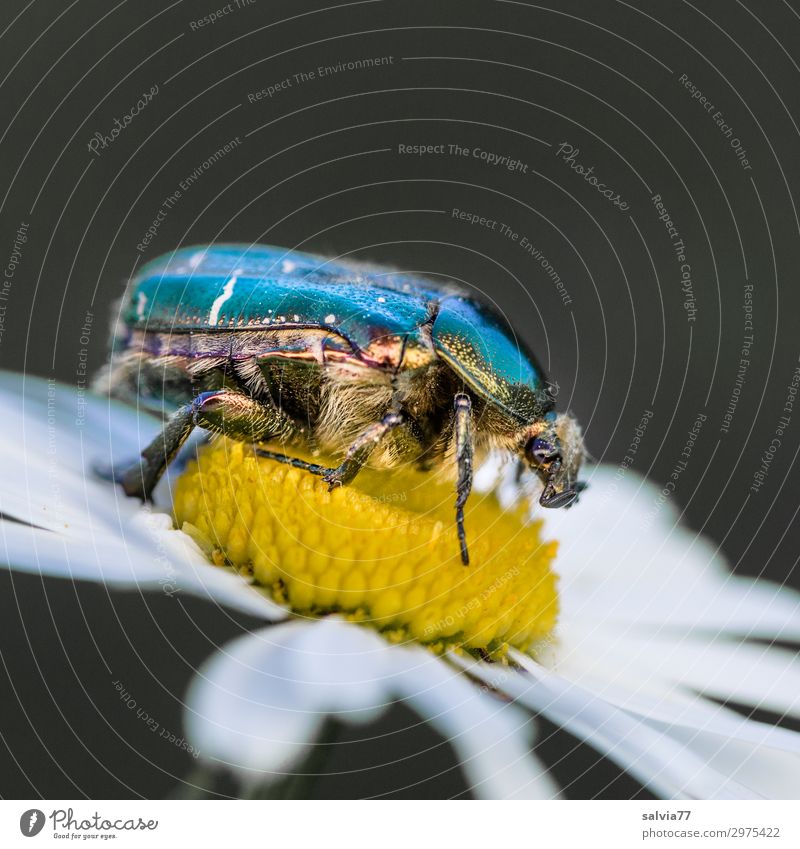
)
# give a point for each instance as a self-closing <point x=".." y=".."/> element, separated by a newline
<point x="222" y="411"/>
<point x="359" y="451"/>
<point x="357" y="454"/>
<point x="462" y="434"/>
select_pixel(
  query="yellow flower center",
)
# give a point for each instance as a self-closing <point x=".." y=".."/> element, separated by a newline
<point x="382" y="550"/>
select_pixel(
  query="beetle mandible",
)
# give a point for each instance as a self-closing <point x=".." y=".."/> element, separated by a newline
<point x="269" y="345"/>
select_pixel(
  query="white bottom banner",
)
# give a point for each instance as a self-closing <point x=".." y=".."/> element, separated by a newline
<point x="333" y="824"/>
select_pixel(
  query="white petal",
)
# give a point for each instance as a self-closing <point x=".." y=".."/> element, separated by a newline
<point x="55" y="437"/>
<point x="661" y="763"/>
<point x="151" y="556"/>
<point x="258" y="705"/>
<point x="491" y="739"/>
<point x="86" y="528"/>
<point x="52" y="434"/>
<point x="770" y="772"/>
<point x="732" y="744"/>
<point x="259" y="702"/>
<point x="661" y="596"/>
<point x="668" y="704"/>
<point x="43" y="552"/>
<point x="752" y="674"/>
<point x="74" y="409"/>
<point x="626" y="557"/>
<point x="187" y="569"/>
<point x="57" y="416"/>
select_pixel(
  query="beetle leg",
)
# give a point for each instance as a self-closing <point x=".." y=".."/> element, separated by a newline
<point x="355" y="458"/>
<point x="222" y="411"/>
<point x="296" y="462"/>
<point x="462" y="430"/>
<point x="141" y="478"/>
<point x="241" y="417"/>
<point x="363" y="445"/>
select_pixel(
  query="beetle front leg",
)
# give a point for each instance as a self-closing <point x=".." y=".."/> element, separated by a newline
<point x="364" y="444"/>
<point x="462" y="431"/>
<point x="141" y="478"/>
<point x="222" y="411"/>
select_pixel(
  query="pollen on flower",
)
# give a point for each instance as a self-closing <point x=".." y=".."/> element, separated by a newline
<point x="382" y="550"/>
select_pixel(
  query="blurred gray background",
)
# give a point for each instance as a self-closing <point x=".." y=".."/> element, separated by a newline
<point x="636" y="308"/>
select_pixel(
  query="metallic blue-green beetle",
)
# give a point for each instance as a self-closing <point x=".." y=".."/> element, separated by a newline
<point x="284" y="348"/>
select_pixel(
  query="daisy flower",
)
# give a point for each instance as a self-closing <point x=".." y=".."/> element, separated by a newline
<point x="633" y="635"/>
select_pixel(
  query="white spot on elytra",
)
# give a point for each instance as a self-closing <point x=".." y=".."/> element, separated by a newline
<point x="296" y="317"/>
<point x="287" y="267"/>
<point x="227" y="291"/>
<point x="141" y="304"/>
<point x="196" y="259"/>
<point x="330" y="319"/>
<point x="381" y="300"/>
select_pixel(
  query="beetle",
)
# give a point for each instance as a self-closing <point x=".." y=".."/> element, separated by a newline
<point x="268" y="345"/>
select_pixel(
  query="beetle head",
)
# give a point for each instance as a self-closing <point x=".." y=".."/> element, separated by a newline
<point x="553" y="448"/>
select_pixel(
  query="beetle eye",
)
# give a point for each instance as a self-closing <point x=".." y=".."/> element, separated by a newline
<point x="541" y="451"/>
